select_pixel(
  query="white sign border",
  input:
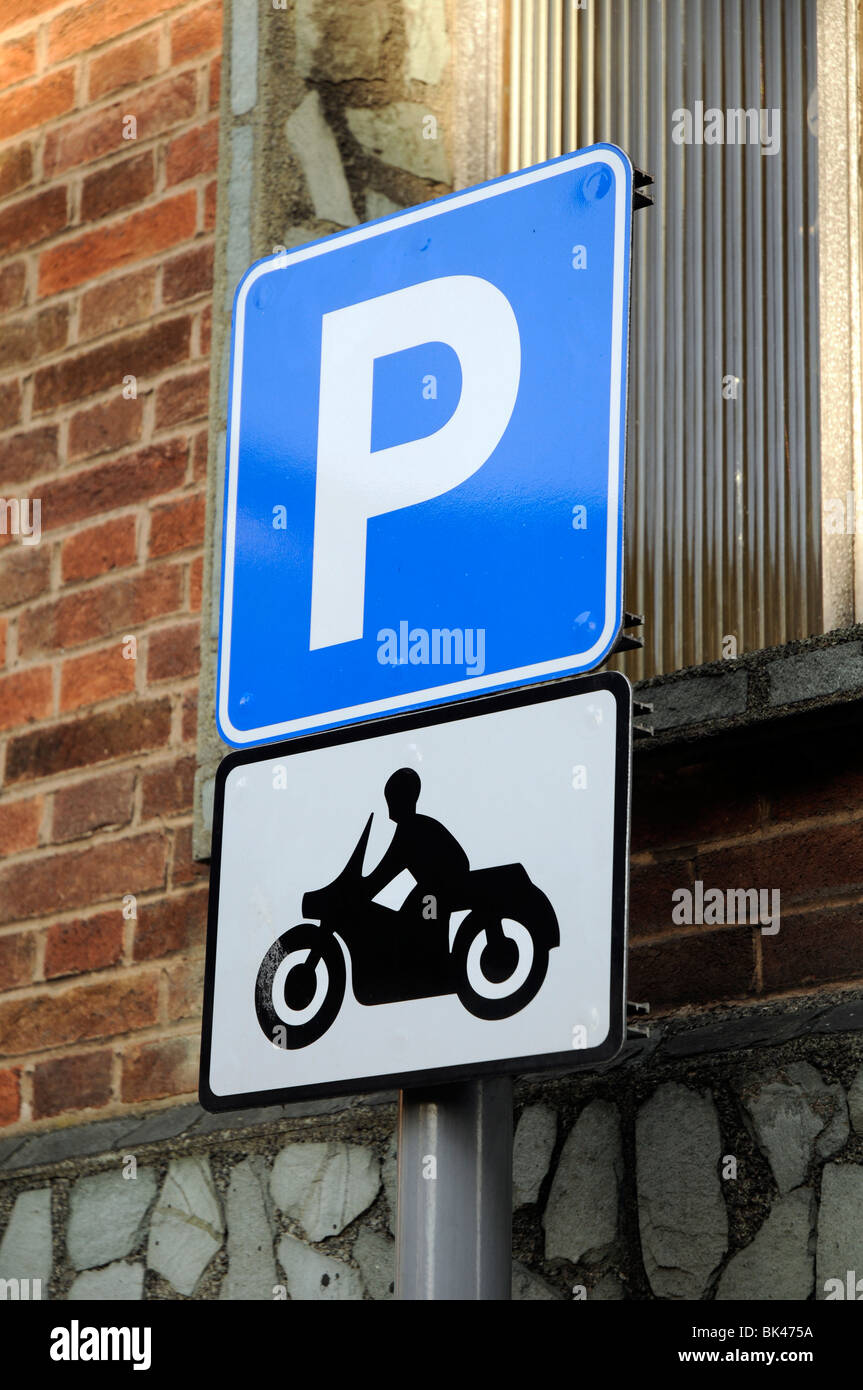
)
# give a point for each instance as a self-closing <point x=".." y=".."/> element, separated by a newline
<point x="564" y="1062"/>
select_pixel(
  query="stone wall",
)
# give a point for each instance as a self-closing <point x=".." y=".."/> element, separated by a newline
<point x="717" y="1161"/>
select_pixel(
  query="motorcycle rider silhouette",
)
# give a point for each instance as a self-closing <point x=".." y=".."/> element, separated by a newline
<point x="426" y="849"/>
<point x="496" y="963"/>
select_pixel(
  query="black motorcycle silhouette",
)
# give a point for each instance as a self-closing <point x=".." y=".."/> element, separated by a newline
<point x="396" y="955"/>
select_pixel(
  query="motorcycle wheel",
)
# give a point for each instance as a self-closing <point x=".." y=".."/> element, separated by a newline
<point x="485" y="969"/>
<point x="289" y="1024"/>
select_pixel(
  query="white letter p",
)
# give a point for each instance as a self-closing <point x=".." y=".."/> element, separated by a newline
<point x="476" y="320"/>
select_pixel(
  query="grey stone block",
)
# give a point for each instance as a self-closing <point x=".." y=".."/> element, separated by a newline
<point x="324" y="1186"/>
<point x="165" y="1124"/>
<point x="681" y="1211"/>
<point x="789" y="1114"/>
<point x="840" y="1227"/>
<point x="315" y="147"/>
<point x="697" y="699"/>
<point x="106" y="1216"/>
<point x="777" y="1264"/>
<point x="375" y="1253"/>
<point x="26" y="1247"/>
<point x="187" y="1225"/>
<point x="528" y="1287"/>
<point x="532" y="1148"/>
<point x="808" y="675"/>
<point x="251" y="1264"/>
<point x="312" y="1276"/>
<point x="80" y="1142"/>
<point x="121" y="1282"/>
<point x="609" y="1289"/>
<point x="582" y="1212"/>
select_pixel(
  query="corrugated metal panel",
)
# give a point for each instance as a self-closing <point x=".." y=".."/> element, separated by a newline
<point x="724" y="515"/>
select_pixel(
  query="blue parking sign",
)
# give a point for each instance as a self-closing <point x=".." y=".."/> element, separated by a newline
<point x="424" y="483"/>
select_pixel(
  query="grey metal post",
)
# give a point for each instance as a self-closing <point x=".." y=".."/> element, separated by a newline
<point x="454" y="1219"/>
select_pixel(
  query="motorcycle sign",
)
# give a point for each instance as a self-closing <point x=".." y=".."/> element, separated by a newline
<point x="475" y="924"/>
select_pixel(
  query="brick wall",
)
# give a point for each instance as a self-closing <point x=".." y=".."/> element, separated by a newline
<point x="778" y="808"/>
<point x="106" y="252"/>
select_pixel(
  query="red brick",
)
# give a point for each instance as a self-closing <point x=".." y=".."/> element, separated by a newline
<point x="804" y="866"/>
<point x="119" y="186"/>
<point x="177" y="525"/>
<point x="17" y="953"/>
<point x="707" y="967"/>
<point x="18" y="11"/>
<point x="824" y="779"/>
<point x="215" y="81"/>
<point x="10" y="1088"/>
<point x="190" y="716"/>
<point x="197" y="33"/>
<point x="10" y="404"/>
<point x="78" y="878"/>
<point x="33" y="219"/>
<point x="206" y="330"/>
<point x="192" y="153"/>
<point x="173" y="653"/>
<point x="13" y="286"/>
<point x="16" y="169"/>
<point x="650" y="890"/>
<point x="690" y="802"/>
<point x="144" y="233"/>
<point x="124" y="65"/>
<point x="154" y="1070"/>
<point x="188" y="275"/>
<point x="19" y="825"/>
<point x="126" y="300"/>
<point x="168" y="790"/>
<point x="104" y="367"/>
<point x="24" y="339"/>
<point x="200" y="449"/>
<point x="100" y="803"/>
<point x="108" y="426"/>
<point x="171" y="924"/>
<point x="4" y="628"/>
<point x="156" y="111"/>
<point x="211" y="198"/>
<point x="84" y="742"/>
<point x="28" y="455"/>
<point x="185" y="989"/>
<point x="88" y="943"/>
<point x="25" y="572"/>
<point x="56" y="1017"/>
<point x="813" y="949"/>
<point x="99" y="550"/>
<point x="82" y="1082"/>
<point x="37" y="102"/>
<point x="108" y="610"/>
<point x="182" y="398"/>
<point x="25" y="696"/>
<point x="85" y="680"/>
<point x="196" y="584"/>
<point x="17" y="60"/>
<point x="185" y="868"/>
<point x="84" y="26"/>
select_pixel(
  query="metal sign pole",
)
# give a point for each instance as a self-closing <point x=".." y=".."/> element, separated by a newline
<point x="454" y="1218"/>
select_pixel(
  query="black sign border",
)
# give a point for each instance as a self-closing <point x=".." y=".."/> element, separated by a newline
<point x="619" y="687"/>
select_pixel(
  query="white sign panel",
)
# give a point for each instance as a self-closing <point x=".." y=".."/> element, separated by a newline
<point x="440" y="894"/>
